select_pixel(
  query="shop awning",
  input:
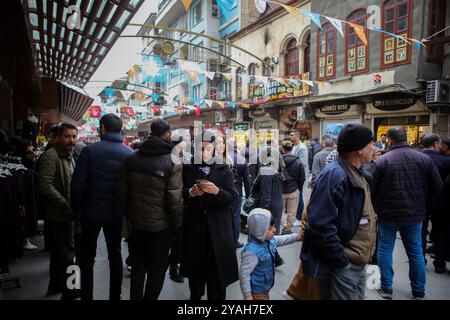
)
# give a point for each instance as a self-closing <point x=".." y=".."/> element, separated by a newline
<point x="70" y="38"/>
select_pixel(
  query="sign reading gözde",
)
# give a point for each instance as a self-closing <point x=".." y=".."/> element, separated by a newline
<point x="394" y="101"/>
<point x="335" y="108"/>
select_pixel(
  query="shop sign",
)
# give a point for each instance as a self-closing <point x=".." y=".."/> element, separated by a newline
<point x="275" y="90"/>
<point x="377" y="80"/>
<point x="335" y="108"/>
<point x="394" y="102"/>
<point x="241" y="126"/>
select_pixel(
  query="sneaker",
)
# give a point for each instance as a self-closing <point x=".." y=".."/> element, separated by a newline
<point x="174" y="274"/>
<point x="29" y="246"/>
<point x="431" y="249"/>
<point x="297" y="223"/>
<point x="418" y="295"/>
<point x="385" y="293"/>
<point x="285" y="231"/>
<point x="239" y="245"/>
<point x="287" y="296"/>
<point x="129" y="268"/>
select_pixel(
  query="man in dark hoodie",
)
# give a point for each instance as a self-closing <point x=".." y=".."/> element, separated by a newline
<point x="150" y="189"/>
<point x="94" y="193"/>
<point x="292" y="186"/>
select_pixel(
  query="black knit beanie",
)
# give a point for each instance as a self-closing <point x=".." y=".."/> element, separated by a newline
<point x="354" y="137"/>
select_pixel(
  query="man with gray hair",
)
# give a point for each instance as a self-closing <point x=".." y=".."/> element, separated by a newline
<point x="319" y="159"/>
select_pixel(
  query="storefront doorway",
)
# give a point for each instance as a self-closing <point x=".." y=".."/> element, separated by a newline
<point x="416" y="127"/>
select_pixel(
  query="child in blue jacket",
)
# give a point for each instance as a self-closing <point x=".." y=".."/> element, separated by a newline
<point x="257" y="272"/>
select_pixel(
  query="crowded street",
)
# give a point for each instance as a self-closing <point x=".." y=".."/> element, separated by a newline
<point x="243" y="150"/>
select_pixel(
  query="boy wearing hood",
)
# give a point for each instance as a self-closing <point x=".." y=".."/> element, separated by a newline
<point x="257" y="272"/>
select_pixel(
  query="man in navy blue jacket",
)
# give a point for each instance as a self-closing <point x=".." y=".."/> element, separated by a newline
<point x="340" y="232"/>
<point x="94" y="193"/>
<point x="405" y="184"/>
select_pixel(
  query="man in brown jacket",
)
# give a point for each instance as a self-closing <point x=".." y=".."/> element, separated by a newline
<point x="55" y="173"/>
<point x="151" y="193"/>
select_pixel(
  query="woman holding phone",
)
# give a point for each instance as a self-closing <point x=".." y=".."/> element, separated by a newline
<point x="209" y="257"/>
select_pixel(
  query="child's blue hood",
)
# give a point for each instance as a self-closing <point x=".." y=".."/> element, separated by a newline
<point x="258" y="223"/>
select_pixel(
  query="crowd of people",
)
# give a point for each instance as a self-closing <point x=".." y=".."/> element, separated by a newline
<point x="179" y="204"/>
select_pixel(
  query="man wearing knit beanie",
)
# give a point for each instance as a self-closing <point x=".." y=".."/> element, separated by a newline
<point x="340" y="233"/>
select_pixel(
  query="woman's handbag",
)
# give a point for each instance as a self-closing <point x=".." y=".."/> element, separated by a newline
<point x="252" y="201"/>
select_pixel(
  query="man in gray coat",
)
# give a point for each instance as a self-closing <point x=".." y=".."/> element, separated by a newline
<point x="319" y="159"/>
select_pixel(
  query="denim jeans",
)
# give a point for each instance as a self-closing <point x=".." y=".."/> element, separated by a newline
<point x="411" y="233"/>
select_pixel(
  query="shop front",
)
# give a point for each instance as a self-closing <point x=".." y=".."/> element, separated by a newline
<point x="400" y="109"/>
<point x="334" y="116"/>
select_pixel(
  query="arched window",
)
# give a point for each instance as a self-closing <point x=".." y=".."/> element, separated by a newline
<point x="356" y="50"/>
<point x="267" y="69"/>
<point x="238" y="84"/>
<point x="326" y="52"/>
<point x="251" y="80"/>
<point x="291" y="58"/>
<point x="397" y="20"/>
<point x="307" y="56"/>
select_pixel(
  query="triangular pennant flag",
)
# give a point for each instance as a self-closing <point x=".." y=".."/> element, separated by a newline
<point x="392" y="35"/>
<point x="193" y="75"/>
<point x="418" y="43"/>
<point x="292" y="11"/>
<point x="186" y="4"/>
<point x="110" y="92"/>
<point x="245" y="105"/>
<point x="197" y="111"/>
<point x="209" y="103"/>
<point x="337" y="24"/>
<point x="359" y="30"/>
<point x="210" y="75"/>
<point x="126" y="94"/>
<point x="315" y="17"/>
<point x="221" y="104"/>
<point x="228" y="76"/>
<point x="308" y="82"/>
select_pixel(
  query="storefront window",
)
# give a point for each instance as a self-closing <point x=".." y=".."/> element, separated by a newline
<point x="416" y="127"/>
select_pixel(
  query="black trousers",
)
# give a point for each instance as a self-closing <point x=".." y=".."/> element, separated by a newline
<point x="442" y="243"/>
<point x="150" y="252"/>
<point x="175" y="248"/>
<point x="113" y="236"/>
<point x="214" y="289"/>
<point x="62" y="253"/>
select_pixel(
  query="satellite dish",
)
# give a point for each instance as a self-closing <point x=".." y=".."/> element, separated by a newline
<point x="168" y="48"/>
<point x="261" y="5"/>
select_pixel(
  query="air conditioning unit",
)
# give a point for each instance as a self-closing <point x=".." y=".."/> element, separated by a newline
<point x="438" y="92"/>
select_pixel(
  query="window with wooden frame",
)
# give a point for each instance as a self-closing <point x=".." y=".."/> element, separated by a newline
<point x="396" y="20"/>
<point x="251" y="80"/>
<point x="307" y="56"/>
<point x="436" y="23"/>
<point x="291" y="58"/>
<point x="356" y="57"/>
<point x="238" y="84"/>
<point x="326" y="52"/>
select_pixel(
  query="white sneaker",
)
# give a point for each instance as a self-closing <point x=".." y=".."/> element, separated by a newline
<point x="297" y="223"/>
<point x="287" y="296"/>
<point x="29" y="246"/>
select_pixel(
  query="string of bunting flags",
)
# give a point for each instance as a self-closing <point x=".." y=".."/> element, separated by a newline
<point x="225" y="6"/>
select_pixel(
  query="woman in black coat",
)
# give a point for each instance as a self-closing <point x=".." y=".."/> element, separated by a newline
<point x="209" y="256"/>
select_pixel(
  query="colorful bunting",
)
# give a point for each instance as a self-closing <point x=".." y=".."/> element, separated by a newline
<point x="315" y="17"/>
<point x="210" y="75"/>
<point x="197" y="111"/>
<point x="360" y="32"/>
<point x="186" y="4"/>
<point x="292" y="11"/>
<point x="337" y="24"/>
